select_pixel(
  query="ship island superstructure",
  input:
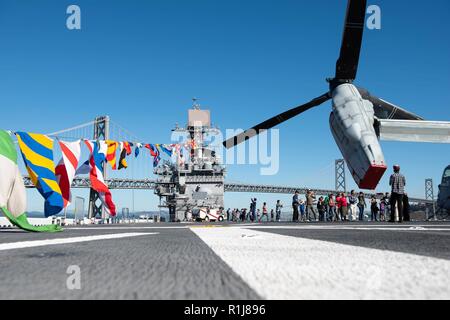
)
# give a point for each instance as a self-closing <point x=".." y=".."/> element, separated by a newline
<point x="192" y="187"/>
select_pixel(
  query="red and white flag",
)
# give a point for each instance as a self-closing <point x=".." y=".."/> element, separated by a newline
<point x="96" y="160"/>
<point x="66" y="168"/>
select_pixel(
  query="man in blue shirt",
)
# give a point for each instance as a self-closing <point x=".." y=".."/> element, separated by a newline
<point x="295" y="204"/>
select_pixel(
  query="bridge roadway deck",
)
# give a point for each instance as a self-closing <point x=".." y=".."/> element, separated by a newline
<point x="150" y="184"/>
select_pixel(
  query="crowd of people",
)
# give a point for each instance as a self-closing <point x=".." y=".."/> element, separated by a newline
<point x="255" y="214"/>
<point x="335" y="207"/>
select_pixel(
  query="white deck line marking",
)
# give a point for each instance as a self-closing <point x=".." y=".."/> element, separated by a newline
<point x="49" y="242"/>
<point x="339" y="225"/>
<point x="284" y="267"/>
<point x="405" y="228"/>
<point x="120" y="228"/>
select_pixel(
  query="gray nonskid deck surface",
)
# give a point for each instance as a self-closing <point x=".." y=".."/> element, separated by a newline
<point x="170" y="261"/>
<point x="174" y="264"/>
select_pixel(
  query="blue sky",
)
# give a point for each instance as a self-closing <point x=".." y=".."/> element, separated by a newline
<point x="141" y="62"/>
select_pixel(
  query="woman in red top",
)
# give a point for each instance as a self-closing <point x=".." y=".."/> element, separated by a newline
<point x="344" y="206"/>
<point x="338" y="207"/>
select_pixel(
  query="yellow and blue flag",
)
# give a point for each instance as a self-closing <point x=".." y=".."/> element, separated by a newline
<point x="37" y="153"/>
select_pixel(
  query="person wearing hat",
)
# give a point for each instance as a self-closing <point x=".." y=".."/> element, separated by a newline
<point x="397" y="183"/>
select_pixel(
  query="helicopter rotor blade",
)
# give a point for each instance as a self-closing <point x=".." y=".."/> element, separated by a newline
<point x="347" y="64"/>
<point x="387" y="110"/>
<point x="272" y="122"/>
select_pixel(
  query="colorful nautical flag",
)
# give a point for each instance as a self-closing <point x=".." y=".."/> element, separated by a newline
<point x="127" y="147"/>
<point x="111" y="153"/>
<point x="154" y="152"/>
<point x="167" y="148"/>
<point x="66" y="168"/>
<point x="13" y="196"/>
<point x="102" y="149"/>
<point x="85" y="168"/>
<point x="98" y="183"/>
<point x="123" y="154"/>
<point x="122" y="161"/>
<point x="191" y="144"/>
<point x="37" y="153"/>
<point x="137" y="149"/>
<point x="176" y="149"/>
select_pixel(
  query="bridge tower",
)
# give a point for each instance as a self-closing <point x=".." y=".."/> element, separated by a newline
<point x="340" y="175"/>
<point x="101" y="132"/>
<point x="429" y="195"/>
<point x="429" y="190"/>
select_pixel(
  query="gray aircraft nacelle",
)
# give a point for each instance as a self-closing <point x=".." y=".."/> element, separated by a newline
<point x="352" y="126"/>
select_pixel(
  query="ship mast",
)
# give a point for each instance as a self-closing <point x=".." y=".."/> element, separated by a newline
<point x="194" y="184"/>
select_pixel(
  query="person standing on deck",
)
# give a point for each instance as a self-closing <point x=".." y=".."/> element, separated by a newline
<point x="361" y="206"/>
<point x="322" y="209"/>
<point x="343" y="206"/>
<point x="310" y="197"/>
<point x="295" y="203"/>
<point x="331" y="208"/>
<point x="339" y="216"/>
<point x="326" y="202"/>
<point x="265" y="213"/>
<point x="374" y="209"/>
<point x="384" y="207"/>
<point x="406" y="208"/>
<point x="397" y="183"/>
<point x="252" y="209"/>
<point x="278" y="207"/>
<point x="352" y="202"/>
<point x="302" y="209"/>
<point x="243" y="214"/>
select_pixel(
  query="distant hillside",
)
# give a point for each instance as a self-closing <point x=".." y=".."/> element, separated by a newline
<point x="35" y="214"/>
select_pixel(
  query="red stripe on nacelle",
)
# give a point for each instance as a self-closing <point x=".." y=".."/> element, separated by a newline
<point x="372" y="177"/>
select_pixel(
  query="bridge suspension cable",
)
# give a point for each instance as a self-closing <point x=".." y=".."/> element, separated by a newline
<point x="84" y="125"/>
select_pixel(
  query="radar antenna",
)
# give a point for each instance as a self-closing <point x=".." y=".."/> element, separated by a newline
<point x="195" y="104"/>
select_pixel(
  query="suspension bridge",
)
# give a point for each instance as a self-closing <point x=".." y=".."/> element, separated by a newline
<point x="137" y="177"/>
<point x="150" y="184"/>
